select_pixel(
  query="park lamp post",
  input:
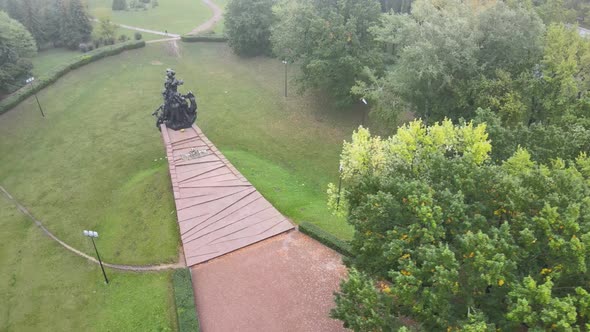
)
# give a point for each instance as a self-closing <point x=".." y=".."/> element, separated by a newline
<point x="364" y="111"/>
<point x="285" y="63"/>
<point x="340" y="168"/>
<point x="92" y="235"/>
<point x="30" y="81"/>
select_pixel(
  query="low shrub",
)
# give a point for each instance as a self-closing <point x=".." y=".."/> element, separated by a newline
<point x="137" y="36"/>
<point x="326" y="238"/>
<point x="186" y="312"/>
<point x="83" y="48"/>
<point x="49" y="78"/>
<point x="206" y="37"/>
<point x="123" y="38"/>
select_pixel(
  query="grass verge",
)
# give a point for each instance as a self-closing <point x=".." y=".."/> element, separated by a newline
<point x="58" y="71"/>
<point x="46" y="288"/>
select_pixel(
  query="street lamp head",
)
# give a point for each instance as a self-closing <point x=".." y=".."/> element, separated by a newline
<point x="364" y="101"/>
<point x="285" y="61"/>
<point x="90" y="233"/>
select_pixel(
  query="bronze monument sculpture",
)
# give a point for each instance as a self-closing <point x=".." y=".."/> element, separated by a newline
<point x="176" y="112"/>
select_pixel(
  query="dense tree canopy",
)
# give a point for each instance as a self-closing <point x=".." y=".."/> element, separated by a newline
<point x="247" y="25"/>
<point x="446" y="239"/>
<point x="441" y="53"/>
<point x="17" y="46"/>
<point x="329" y="40"/>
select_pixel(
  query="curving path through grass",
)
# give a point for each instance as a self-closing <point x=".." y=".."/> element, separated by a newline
<point x="135" y="268"/>
<point x="217" y="16"/>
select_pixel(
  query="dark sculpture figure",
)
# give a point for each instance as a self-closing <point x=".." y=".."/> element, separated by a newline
<point x="176" y="112"/>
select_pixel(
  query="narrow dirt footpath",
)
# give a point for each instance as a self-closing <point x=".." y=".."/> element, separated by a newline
<point x="217" y="14"/>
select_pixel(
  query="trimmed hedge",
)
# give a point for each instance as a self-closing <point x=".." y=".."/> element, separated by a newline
<point x="49" y="78"/>
<point x="203" y="38"/>
<point x="326" y="238"/>
<point x="186" y="312"/>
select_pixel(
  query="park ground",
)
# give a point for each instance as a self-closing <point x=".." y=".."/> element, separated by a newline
<point x="96" y="162"/>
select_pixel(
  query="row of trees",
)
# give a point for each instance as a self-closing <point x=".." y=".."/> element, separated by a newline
<point x="52" y="22"/>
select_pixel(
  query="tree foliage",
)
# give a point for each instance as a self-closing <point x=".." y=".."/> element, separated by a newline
<point x="78" y="27"/>
<point x="106" y="31"/>
<point x="439" y="54"/>
<point x="247" y="26"/>
<point x="458" y="242"/>
<point x="17" y="46"/>
<point x="330" y="41"/>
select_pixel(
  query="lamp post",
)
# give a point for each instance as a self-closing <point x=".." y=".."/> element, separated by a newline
<point x="92" y="235"/>
<point x="364" y="111"/>
<point x="285" y="63"/>
<point x="30" y="81"/>
<point x="339" y="186"/>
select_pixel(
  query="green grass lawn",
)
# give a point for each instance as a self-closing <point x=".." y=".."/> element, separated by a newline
<point x="46" y="288"/>
<point x="45" y="61"/>
<point x="176" y="16"/>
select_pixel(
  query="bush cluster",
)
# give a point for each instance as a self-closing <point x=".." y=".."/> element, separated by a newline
<point x="44" y="81"/>
<point x="185" y="301"/>
<point x="326" y="238"/>
<point x="86" y="47"/>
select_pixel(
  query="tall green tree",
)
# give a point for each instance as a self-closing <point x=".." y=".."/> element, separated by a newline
<point x="77" y="28"/>
<point x="432" y="52"/>
<point x="330" y="41"/>
<point x="17" y="46"/>
<point x="565" y="79"/>
<point x="447" y="240"/>
<point x="510" y="39"/>
<point x="106" y="30"/>
<point x="32" y="20"/>
<point x="247" y="26"/>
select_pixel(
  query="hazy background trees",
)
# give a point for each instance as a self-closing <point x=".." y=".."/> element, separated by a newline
<point x="17" y="46"/>
<point x="247" y="25"/>
<point x="52" y="22"/>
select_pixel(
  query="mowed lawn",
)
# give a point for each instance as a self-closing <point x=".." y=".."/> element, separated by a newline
<point x="174" y="16"/>
<point x="46" y="288"/>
